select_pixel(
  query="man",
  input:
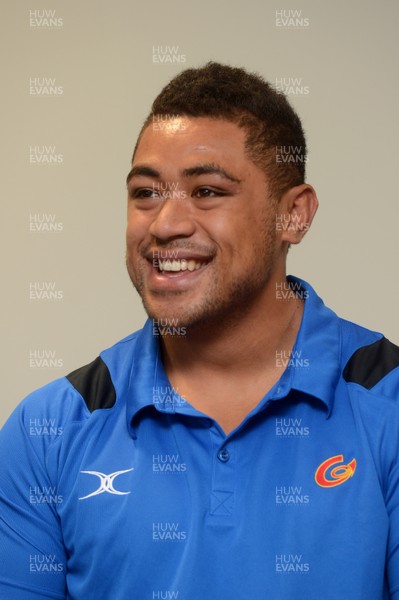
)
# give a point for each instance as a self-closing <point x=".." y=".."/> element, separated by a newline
<point x="244" y="443"/>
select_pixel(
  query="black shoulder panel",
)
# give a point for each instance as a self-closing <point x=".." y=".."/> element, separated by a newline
<point x="369" y="364"/>
<point x="94" y="384"/>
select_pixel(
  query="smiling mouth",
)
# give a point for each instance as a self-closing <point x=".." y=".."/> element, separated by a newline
<point x="178" y="265"/>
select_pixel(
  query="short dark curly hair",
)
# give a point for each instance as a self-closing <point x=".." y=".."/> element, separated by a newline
<point x="273" y="128"/>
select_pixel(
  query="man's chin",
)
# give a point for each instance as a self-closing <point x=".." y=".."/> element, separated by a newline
<point x="186" y="321"/>
<point x="167" y="313"/>
<point x="188" y="318"/>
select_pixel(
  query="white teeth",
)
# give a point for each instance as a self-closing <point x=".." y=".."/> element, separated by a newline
<point x="175" y="265"/>
<point x="179" y="265"/>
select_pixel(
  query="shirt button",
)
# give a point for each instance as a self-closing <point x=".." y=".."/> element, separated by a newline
<point x="223" y="455"/>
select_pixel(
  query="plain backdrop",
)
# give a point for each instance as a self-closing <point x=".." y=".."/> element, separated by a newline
<point x="103" y="61"/>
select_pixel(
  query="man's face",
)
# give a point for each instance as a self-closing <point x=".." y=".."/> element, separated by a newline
<point x="201" y="234"/>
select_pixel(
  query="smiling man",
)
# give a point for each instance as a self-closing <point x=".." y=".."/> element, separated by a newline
<point x="223" y="261"/>
<point x="243" y="444"/>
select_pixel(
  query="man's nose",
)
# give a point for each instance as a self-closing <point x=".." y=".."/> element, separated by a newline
<point x="173" y="219"/>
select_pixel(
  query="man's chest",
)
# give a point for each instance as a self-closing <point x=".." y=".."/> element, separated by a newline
<point x="284" y="497"/>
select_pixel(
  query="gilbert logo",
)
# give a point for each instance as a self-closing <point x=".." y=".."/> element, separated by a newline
<point x="106" y="483"/>
<point x="328" y="475"/>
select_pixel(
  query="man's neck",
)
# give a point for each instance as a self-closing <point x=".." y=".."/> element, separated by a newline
<point x="243" y="342"/>
<point x="225" y="369"/>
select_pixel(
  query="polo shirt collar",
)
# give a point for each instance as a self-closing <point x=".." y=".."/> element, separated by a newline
<point x="143" y="375"/>
<point x="319" y="344"/>
<point x="317" y="347"/>
<point x="148" y="382"/>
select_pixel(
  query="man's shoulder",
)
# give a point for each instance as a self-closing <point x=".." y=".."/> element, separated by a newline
<point x="73" y="397"/>
<point x="366" y="359"/>
<point x="370" y="361"/>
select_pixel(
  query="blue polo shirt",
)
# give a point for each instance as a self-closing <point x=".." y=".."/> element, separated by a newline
<point x="113" y="487"/>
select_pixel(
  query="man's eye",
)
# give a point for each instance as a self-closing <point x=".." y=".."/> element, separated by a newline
<point x="144" y="193"/>
<point x="206" y="192"/>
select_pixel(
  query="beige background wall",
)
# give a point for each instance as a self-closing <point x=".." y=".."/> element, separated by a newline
<point x="104" y="58"/>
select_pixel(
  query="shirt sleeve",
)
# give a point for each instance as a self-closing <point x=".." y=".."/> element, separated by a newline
<point x="388" y="449"/>
<point x="32" y="555"/>
<point x="392" y="500"/>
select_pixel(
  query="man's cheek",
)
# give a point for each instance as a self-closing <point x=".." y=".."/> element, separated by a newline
<point x="132" y="238"/>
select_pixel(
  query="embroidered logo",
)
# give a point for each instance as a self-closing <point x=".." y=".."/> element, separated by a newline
<point x="332" y="473"/>
<point x="106" y="483"/>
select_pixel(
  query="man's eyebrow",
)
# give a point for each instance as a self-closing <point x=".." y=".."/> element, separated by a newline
<point x="202" y="169"/>
<point x="209" y="169"/>
<point x="143" y="170"/>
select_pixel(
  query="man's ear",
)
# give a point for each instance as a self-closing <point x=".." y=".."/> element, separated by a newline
<point x="295" y="212"/>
